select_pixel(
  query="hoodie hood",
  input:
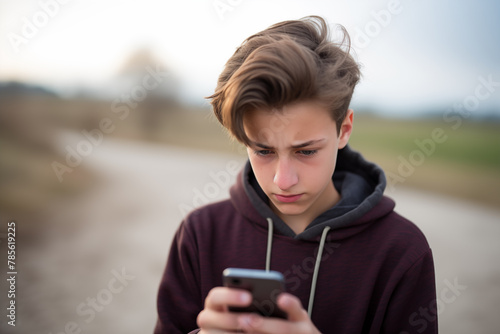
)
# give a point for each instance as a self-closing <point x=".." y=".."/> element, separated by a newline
<point x="360" y="184"/>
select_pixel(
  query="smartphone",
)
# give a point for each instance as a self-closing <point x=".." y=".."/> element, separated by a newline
<point x="265" y="287"/>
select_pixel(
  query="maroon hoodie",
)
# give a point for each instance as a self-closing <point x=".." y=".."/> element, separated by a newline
<point x="376" y="273"/>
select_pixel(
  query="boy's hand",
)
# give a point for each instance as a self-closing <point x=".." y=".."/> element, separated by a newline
<point x="298" y="320"/>
<point x="215" y="318"/>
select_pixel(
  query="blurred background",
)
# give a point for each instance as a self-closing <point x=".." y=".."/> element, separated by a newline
<point x="106" y="141"/>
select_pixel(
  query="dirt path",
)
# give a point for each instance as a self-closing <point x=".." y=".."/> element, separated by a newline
<point x="98" y="262"/>
<point x="465" y="242"/>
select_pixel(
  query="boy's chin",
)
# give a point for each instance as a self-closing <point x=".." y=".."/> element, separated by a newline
<point x="288" y="209"/>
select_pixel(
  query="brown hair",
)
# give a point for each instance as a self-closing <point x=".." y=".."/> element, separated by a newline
<point x="289" y="62"/>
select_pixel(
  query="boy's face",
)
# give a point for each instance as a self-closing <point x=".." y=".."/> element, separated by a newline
<point x="293" y="153"/>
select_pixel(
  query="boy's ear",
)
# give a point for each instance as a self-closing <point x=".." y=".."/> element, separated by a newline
<point x="346" y="129"/>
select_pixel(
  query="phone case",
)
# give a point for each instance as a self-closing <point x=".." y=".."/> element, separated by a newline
<point x="265" y="287"/>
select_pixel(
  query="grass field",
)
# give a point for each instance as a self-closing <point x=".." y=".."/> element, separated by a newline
<point x="471" y="143"/>
<point x="465" y="162"/>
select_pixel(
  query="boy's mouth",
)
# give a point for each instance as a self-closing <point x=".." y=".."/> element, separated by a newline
<point x="288" y="198"/>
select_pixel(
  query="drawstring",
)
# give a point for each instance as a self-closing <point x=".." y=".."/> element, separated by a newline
<point x="316" y="264"/>
<point x="269" y="243"/>
<point x="316" y="270"/>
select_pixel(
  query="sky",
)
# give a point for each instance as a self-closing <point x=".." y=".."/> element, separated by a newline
<point x="415" y="55"/>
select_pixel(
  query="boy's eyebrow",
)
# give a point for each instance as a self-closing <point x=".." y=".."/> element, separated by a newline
<point x="308" y="143"/>
<point x="301" y="145"/>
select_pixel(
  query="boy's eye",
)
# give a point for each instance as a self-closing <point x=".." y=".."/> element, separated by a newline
<point x="307" y="152"/>
<point x="263" y="153"/>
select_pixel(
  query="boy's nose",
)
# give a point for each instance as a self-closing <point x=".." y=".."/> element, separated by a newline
<point x="285" y="176"/>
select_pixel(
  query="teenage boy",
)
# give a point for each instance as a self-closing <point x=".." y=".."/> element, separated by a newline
<point x="305" y="204"/>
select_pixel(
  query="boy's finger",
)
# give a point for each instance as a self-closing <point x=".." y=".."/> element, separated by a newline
<point x="212" y="322"/>
<point x="218" y="298"/>
<point x="292" y="306"/>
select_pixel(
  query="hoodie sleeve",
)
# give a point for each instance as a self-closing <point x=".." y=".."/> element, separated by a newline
<point x="413" y="305"/>
<point x="179" y="299"/>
